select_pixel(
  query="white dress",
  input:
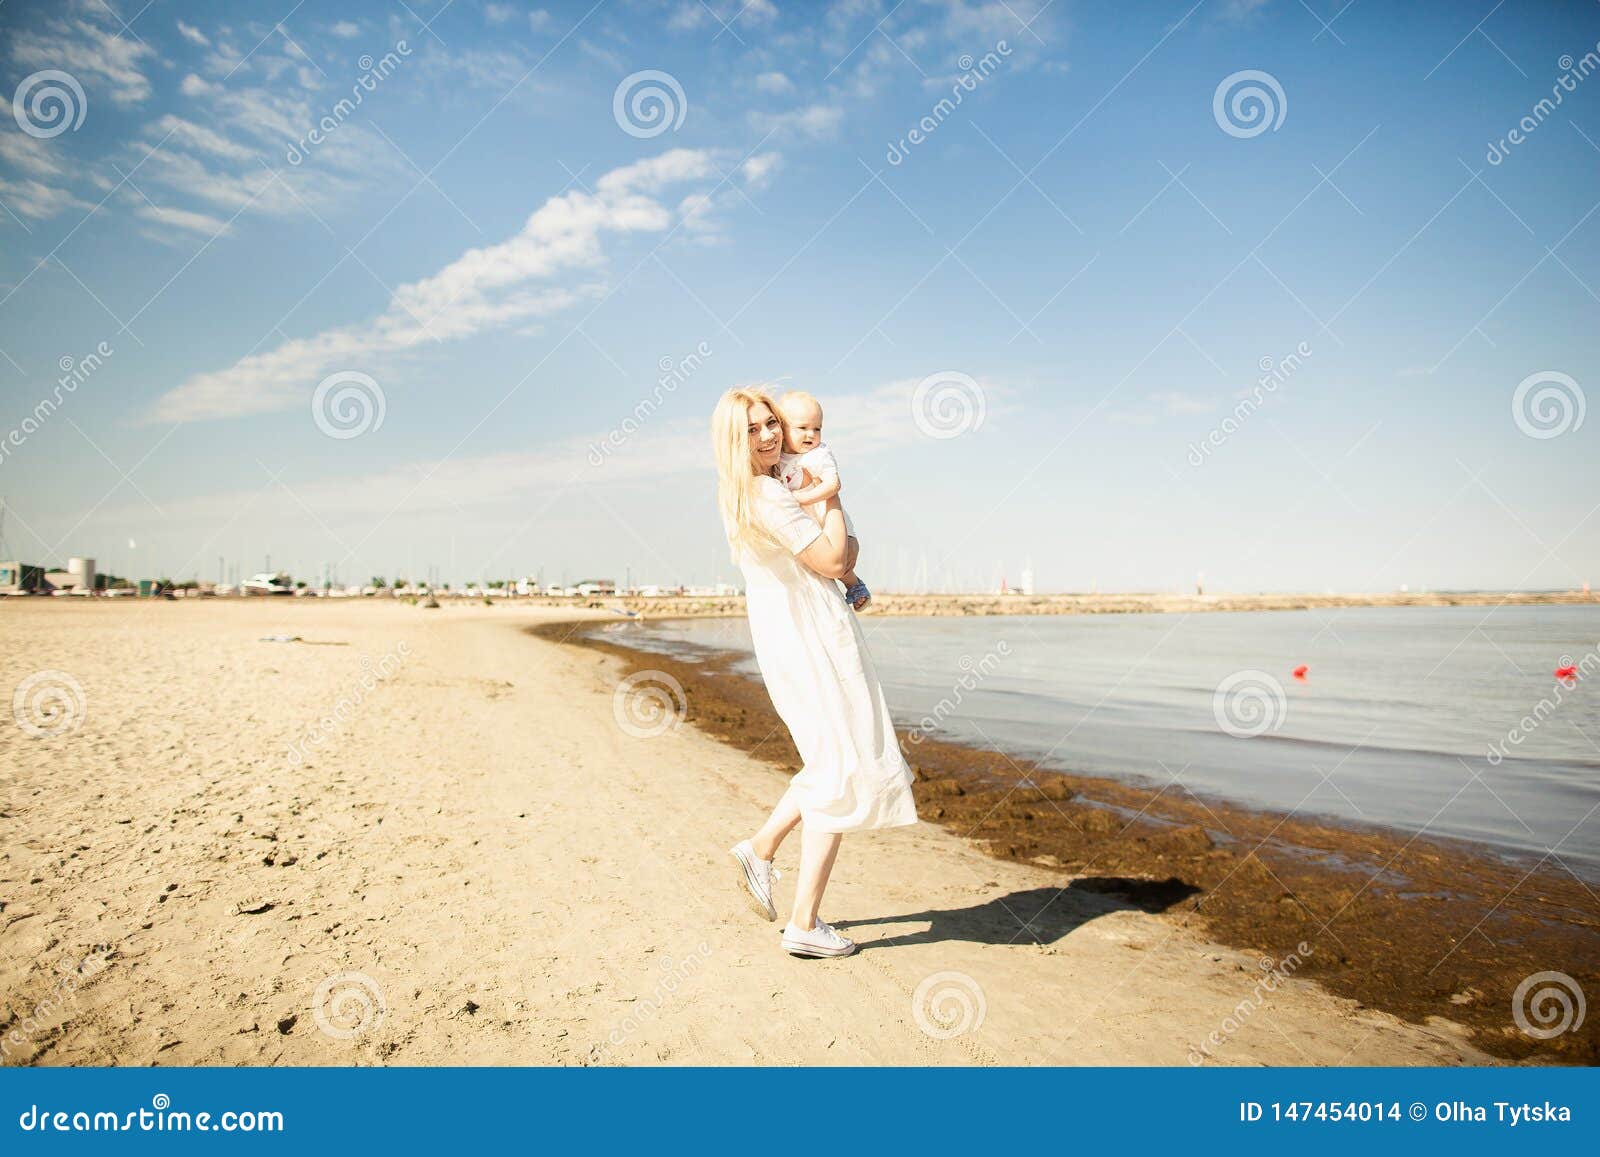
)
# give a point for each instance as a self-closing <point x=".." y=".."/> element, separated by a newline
<point x="814" y="661"/>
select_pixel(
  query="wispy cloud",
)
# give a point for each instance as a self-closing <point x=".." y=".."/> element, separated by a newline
<point x="816" y="121"/>
<point x="486" y="288"/>
<point x="90" y="52"/>
<point x="193" y="35"/>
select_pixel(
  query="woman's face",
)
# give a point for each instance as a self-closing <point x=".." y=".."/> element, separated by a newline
<point x="766" y="437"/>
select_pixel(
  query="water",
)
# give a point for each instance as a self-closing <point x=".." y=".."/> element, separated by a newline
<point x="1410" y="717"/>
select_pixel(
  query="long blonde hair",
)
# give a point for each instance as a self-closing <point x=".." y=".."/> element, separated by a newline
<point x="737" y="478"/>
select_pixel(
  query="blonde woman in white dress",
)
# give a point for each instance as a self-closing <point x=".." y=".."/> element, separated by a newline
<point x="814" y="662"/>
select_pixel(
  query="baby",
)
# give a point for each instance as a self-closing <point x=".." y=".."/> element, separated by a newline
<point x="807" y="467"/>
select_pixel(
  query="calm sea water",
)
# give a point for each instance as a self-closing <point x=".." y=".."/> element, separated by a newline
<point x="1416" y="718"/>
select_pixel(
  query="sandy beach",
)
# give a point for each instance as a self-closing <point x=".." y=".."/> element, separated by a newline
<point x="422" y="837"/>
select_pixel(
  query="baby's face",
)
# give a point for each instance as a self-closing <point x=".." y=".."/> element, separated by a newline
<point x="804" y="420"/>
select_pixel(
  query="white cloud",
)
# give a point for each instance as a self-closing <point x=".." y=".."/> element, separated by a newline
<point x="182" y="219"/>
<point x="538" y="19"/>
<point x="486" y="288"/>
<point x="345" y="30"/>
<point x="861" y="424"/>
<point x="29" y="154"/>
<point x="30" y="198"/>
<point x="688" y="16"/>
<point x="758" y="170"/>
<point x="774" y="82"/>
<point x="691" y="14"/>
<point x="604" y="55"/>
<point x="193" y="35"/>
<point x="1241" y="11"/>
<point x="90" y="54"/>
<point x="186" y="133"/>
<point x="196" y="86"/>
<point x="1174" y="402"/>
<point x="817" y="121"/>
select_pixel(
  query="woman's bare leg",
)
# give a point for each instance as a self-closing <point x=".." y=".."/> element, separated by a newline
<point x="780" y="823"/>
<point x="817" y="853"/>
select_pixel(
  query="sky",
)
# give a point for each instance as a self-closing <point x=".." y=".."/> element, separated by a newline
<point x="1264" y="295"/>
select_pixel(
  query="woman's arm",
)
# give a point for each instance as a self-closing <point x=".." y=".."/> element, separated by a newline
<point x="829" y="554"/>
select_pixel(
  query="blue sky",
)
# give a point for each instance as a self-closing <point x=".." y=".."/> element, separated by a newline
<point x="1092" y="250"/>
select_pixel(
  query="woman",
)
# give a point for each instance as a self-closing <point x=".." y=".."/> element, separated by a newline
<point x="814" y="662"/>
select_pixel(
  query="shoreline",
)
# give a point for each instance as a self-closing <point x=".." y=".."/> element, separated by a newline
<point x="942" y="605"/>
<point x="1417" y="926"/>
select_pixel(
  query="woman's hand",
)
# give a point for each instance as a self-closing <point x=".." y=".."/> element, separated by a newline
<point x="829" y="554"/>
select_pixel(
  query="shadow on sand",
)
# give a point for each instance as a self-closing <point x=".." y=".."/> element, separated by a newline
<point x="1037" y="915"/>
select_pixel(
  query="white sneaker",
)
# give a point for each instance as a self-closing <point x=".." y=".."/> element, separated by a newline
<point x="755" y="877"/>
<point x="822" y="940"/>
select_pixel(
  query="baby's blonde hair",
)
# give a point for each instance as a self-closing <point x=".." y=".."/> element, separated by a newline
<point x="799" y="396"/>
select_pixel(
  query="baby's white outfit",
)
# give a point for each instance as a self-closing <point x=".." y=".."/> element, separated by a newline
<point x="820" y="461"/>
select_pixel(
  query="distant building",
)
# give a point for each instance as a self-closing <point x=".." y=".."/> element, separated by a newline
<point x="77" y="579"/>
<point x="588" y="587"/>
<point x="20" y="578"/>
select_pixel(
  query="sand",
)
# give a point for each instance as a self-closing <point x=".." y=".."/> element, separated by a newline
<point x="473" y="863"/>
